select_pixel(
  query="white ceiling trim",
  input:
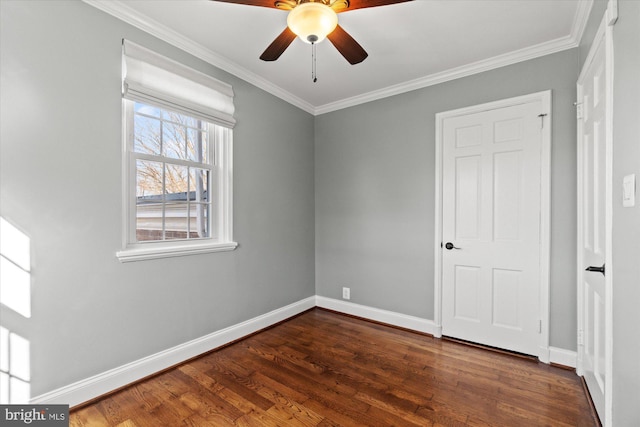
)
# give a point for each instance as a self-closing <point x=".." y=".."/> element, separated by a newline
<point x="120" y="10"/>
<point x="580" y="19"/>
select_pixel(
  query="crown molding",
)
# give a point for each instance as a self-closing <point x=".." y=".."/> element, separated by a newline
<point x="120" y="10"/>
<point x="580" y="20"/>
<point x="563" y="43"/>
<point x="499" y="61"/>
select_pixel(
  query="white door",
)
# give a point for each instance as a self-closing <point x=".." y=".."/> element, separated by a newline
<point x="491" y="226"/>
<point x="594" y="175"/>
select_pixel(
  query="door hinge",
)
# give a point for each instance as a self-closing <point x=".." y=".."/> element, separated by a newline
<point x="580" y="337"/>
<point x="579" y="112"/>
<point x="540" y="326"/>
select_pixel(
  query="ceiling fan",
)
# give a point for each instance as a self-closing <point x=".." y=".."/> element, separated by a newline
<point x="312" y="21"/>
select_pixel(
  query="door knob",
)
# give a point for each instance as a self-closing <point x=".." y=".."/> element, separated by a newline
<point x="596" y="269"/>
<point x="450" y="246"/>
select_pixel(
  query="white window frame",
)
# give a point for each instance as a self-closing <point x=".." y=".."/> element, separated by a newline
<point x="157" y="81"/>
<point x="221" y="221"/>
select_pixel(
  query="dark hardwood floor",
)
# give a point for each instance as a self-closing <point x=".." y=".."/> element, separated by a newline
<point x="326" y="369"/>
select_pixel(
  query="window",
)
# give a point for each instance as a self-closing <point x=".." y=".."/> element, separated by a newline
<point x="177" y="159"/>
<point x="172" y="162"/>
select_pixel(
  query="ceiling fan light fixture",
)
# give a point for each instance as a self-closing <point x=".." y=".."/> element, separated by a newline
<point x="312" y="21"/>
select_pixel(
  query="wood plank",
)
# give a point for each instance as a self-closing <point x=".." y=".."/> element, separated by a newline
<point x="88" y="416"/>
<point x="325" y="369"/>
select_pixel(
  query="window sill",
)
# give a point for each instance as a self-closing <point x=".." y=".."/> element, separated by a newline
<point x="145" y="252"/>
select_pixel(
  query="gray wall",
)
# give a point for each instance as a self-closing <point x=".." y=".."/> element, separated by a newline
<point x="60" y="176"/>
<point x="375" y="190"/>
<point x="626" y="221"/>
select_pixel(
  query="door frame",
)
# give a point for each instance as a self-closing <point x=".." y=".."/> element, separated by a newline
<point x="604" y="35"/>
<point x="545" y="207"/>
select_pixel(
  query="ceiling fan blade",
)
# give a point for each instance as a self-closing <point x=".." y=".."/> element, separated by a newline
<point x="263" y="3"/>
<point x="347" y="46"/>
<point x="278" y="46"/>
<point x="290" y="4"/>
<point x="361" y="4"/>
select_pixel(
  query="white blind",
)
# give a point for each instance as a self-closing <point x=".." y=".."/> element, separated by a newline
<point x="152" y="78"/>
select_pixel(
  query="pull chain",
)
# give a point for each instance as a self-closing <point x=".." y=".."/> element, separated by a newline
<point x="314" y="74"/>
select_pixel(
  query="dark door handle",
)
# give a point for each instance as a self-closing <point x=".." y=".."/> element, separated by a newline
<point x="596" y="269"/>
<point x="450" y="246"/>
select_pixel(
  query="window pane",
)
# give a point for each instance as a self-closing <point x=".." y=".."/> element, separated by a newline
<point x="176" y="221"/>
<point x="146" y="109"/>
<point x="199" y="185"/>
<point x="148" y="181"/>
<point x="176" y="183"/>
<point x="173" y="140"/>
<point x="149" y="201"/>
<point x="199" y="218"/>
<point x="148" y="222"/>
<point x="147" y="135"/>
<point x="196" y="146"/>
<point x="180" y="119"/>
<point x="205" y="148"/>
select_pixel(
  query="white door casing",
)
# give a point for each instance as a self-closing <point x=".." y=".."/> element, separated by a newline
<point x="493" y="203"/>
<point x="594" y="127"/>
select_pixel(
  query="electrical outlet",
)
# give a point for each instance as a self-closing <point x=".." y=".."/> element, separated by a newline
<point x="346" y="293"/>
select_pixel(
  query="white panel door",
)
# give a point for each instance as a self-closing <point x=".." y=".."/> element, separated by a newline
<point x="491" y="198"/>
<point x="594" y="198"/>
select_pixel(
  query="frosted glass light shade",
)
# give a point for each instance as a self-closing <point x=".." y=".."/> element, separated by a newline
<point x="312" y="21"/>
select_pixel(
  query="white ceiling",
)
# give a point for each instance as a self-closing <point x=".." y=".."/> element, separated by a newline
<point x="410" y="45"/>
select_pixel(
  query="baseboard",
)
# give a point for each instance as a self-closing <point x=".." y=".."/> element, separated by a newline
<point x="98" y="385"/>
<point x="390" y="317"/>
<point x="563" y="357"/>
